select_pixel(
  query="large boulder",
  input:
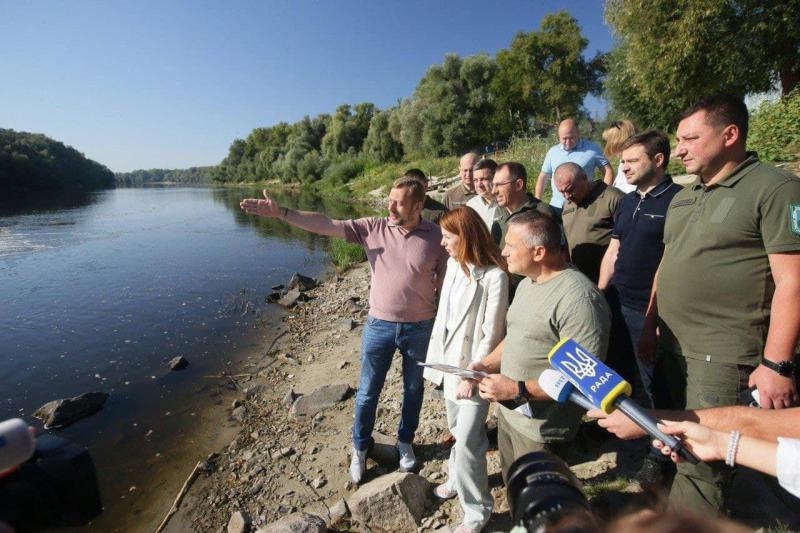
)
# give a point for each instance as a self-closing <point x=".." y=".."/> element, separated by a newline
<point x="320" y="399"/>
<point x="394" y="502"/>
<point x="64" y="412"/>
<point x="239" y="523"/>
<point x="301" y="282"/>
<point x="296" y="523"/>
<point x="291" y="298"/>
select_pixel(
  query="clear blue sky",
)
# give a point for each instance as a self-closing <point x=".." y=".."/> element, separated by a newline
<point x="143" y="84"/>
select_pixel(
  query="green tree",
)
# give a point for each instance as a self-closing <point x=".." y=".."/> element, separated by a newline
<point x="669" y="53"/>
<point x="451" y="107"/>
<point x="543" y="75"/>
<point x="348" y="129"/>
<point x="380" y="145"/>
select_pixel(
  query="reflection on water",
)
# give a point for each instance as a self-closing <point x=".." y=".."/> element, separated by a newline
<point x="100" y="295"/>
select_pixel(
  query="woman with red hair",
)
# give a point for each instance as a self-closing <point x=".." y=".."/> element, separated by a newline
<point x="470" y="322"/>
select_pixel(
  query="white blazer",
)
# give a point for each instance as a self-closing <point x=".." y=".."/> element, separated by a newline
<point x="480" y="318"/>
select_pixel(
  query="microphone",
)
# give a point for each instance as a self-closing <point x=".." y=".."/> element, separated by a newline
<point x="606" y="389"/>
<point x="16" y="443"/>
<point x="558" y="387"/>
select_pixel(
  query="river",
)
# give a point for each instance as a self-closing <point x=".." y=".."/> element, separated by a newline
<point x="99" y="293"/>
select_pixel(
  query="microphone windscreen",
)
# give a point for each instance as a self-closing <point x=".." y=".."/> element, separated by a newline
<point x="16" y="443"/>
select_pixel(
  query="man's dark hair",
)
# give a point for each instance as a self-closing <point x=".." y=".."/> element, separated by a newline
<point x="653" y="141"/>
<point x="516" y="171"/>
<point x="416" y="174"/>
<point x="722" y="110"/>
<point x="486" y="163"/>
<point x="540" y="230"/>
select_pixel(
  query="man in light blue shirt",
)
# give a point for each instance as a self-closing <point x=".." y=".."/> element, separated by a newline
<point x="571" y="148"/>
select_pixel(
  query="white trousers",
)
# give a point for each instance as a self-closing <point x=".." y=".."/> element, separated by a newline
<point x="468" y="474"/>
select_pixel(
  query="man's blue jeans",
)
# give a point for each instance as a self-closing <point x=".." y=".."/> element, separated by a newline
<point x="378" y="343"/>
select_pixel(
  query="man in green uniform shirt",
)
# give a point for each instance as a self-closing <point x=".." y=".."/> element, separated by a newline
<point x="588" y="216"/>
<point x="727" y="290"/>
<point x="510" y="188"/>
<point x="561" y="303"/>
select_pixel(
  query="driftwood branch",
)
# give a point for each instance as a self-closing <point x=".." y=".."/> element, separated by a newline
<point x="181" y="494"/>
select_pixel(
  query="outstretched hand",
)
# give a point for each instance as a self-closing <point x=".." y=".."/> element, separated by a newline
<point x="268" y="207"/>
<point x="704" y="442"/>
<point x="617" y="423"/>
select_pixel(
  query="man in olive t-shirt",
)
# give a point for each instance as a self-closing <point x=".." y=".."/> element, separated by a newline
<point x="727" y="290"/>
<point x="588" y="216"/>
<point x="561" y="303"/>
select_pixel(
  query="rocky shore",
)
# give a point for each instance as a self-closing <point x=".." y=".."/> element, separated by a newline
<point x="286" y="470"/>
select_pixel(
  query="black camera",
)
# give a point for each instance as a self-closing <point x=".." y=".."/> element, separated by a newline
<point x="56" y="487"/>
<point x="543" y="494"/>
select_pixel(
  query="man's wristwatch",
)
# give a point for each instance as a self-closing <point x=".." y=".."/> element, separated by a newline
<point x="522" y="394"/>
<point x="784" y="368"/>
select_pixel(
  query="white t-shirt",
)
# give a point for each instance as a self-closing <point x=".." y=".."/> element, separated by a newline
<point x="489" y="212"/>
<point x="621" y="183"/>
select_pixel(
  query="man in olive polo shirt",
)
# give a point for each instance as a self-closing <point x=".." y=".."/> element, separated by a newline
<point x="728" y="287"/>
<point x="510" y="188"/>
<point x="462" y="192"/>
<point x="588" y="216"/>
<point x="554" y="301"/>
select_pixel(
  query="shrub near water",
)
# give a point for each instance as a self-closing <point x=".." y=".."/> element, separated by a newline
<point x="345" y="254"/>
<point x="775" y="129"/>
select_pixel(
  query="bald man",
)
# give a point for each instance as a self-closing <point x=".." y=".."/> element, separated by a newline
<point x="462" y="192"/>
<point x="571" y="148"/>
<point x="588" y="216"/>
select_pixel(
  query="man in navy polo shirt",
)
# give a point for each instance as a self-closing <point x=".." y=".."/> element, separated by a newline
<point x="630" y="263"/>
<point x="631" y="260"/>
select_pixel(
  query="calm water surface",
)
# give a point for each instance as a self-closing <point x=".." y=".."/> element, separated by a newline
<point x="101" y="293"/>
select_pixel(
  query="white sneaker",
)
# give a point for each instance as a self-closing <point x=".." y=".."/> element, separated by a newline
<point x="358" y="465"/>
<point x="407" y="459"/>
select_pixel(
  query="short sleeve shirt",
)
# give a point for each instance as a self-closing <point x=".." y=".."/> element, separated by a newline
<point x="407" y="267"/>
<point x="639" y="227"/>
<point x="588" y="227"/>
<point x="715" y="284"/>
<point x="457" y="195"/>
<point x="568" y="305"/>
<point x="586" y="153"/>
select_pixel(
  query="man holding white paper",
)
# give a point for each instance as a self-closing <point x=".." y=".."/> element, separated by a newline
<point x="561" y="303"/>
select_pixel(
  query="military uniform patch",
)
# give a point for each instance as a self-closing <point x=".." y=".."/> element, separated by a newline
<point x="794" y="218"/>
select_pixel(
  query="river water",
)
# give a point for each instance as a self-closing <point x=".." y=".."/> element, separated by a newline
<point x="99" y="293"/>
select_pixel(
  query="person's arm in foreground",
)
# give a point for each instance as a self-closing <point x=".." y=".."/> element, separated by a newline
<point x="649" y="335"/>
<point x="711" y="445"/>
<point x="307" y="220"/>
<point x="766" y="424"/>
<point x="607" y="264"/>
<point x="608" y="174"/>
<point x="541" y="183"/>
<point x="775" y="390"/>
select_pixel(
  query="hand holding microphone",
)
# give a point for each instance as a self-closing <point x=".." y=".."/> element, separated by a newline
<point x="606" y="389"/>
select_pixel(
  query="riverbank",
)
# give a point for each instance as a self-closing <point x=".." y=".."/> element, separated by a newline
<point x="286" y="459"/>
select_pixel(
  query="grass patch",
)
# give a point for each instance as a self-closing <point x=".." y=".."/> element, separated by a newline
<point x="344" y="254"/>
<point x="617" y="484"/>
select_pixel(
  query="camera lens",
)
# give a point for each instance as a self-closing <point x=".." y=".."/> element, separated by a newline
<point x="542" y="490"/>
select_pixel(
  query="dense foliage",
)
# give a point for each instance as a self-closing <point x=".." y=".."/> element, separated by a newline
<point x="775" y="129"/>
<point x="31" y="162"/>
<point x="668" y="53"/>
<point x="192" y="175"/>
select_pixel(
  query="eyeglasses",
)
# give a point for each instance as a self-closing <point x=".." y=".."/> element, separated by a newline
<point x="497" y="184"/>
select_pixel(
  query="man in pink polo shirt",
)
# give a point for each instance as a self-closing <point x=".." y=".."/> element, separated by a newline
<point x="407" y="262"/>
